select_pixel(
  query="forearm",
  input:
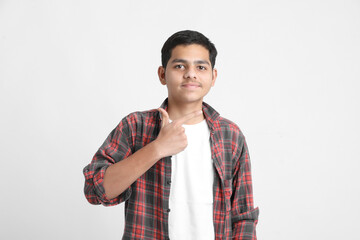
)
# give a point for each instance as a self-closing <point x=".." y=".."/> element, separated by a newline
<point x="244" y="215"/>
<point x="170" y="140"/>
<point x="119" y="176"/>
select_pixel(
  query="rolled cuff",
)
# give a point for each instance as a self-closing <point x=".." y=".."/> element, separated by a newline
<point x="95" y="191"/>
<point x="248" y="215"/>
<point x="244" y="225"/>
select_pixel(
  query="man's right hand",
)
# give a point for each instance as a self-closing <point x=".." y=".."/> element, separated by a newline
<point x="172" y="138"/>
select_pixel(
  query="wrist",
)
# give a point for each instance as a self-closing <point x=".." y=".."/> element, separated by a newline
<point x="157" y="149"/>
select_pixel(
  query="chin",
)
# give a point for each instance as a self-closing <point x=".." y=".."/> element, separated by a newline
<point x="188" y="99"/>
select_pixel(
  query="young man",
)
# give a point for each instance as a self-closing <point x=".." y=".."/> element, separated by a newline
<point x="182" y="169"/>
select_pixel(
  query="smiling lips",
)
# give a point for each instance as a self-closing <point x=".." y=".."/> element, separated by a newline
<point x="190" y="85"/>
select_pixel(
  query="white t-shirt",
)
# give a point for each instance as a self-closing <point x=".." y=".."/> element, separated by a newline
<point x="191" y="193"/>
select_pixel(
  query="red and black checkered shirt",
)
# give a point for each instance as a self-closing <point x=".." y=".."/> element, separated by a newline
<point x="147" y="199"/>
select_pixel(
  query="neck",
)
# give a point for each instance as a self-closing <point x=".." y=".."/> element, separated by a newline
<point x="178" y="110"/>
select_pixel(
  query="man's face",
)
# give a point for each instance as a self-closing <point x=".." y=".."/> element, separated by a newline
<point x="188" y="74"/>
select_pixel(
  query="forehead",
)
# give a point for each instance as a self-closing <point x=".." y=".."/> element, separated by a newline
<point x="190" y="52"/>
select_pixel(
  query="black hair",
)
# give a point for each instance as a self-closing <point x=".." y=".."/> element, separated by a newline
<point x="187" y="37"/>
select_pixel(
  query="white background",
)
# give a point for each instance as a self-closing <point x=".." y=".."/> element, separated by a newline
<point x="288" y="75"/>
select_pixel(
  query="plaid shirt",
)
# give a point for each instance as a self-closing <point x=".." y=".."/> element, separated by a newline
<point x="147" y="199"/>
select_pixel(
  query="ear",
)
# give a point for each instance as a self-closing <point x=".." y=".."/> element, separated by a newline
<point x="214" y="76"/>
<point x="161" y="74"/>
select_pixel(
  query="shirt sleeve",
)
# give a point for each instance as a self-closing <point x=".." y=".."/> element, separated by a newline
<point x="115" y="148"/>
<point x="244" y="215"/>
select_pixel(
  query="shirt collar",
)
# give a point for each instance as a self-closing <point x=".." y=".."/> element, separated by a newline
<point x="211" y="115"/>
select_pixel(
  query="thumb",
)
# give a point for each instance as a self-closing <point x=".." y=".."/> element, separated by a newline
<point x="165" y="117"/>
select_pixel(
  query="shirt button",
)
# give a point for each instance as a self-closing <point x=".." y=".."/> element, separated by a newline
<point x="168" y="182"/>
<point x="168" y="210"/>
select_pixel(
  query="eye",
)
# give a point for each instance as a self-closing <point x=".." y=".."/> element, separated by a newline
<point x="179" y="66"/>
<point x="202" y="68"/>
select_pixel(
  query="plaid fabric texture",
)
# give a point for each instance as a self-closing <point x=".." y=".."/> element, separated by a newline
<point x="147" y="199"/>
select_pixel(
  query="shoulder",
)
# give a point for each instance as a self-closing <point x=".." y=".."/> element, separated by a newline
<point x="228" y="126"/>
<point x="231" y="133"/>
<point x="223" y="126"/>
<point x="233" y="138"/>
<point x="140" y="119"/>
<point x="142" y="116"/>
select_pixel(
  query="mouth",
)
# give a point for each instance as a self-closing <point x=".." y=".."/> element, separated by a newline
<point x="191" y="85"/>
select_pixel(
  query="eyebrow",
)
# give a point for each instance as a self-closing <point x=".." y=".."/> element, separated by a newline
<point x="178" y="60"/>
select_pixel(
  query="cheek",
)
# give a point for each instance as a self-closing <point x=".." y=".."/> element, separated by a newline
<point x="169" y="75"/>
<point x="208" y="80"/>
<point x="170" y="82"/>
<point x="173" y="78"/>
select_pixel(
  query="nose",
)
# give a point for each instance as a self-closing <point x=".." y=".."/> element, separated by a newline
<point x="190" y="73"/>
